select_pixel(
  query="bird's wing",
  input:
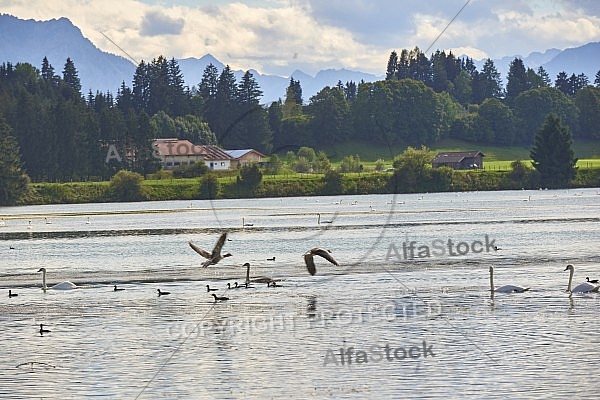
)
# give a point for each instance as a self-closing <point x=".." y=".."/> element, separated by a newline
<point x="200" y="251"/>
<point x="310" y="263"/>
<point x="325" y="254"/>
<point x="217" y="249"/>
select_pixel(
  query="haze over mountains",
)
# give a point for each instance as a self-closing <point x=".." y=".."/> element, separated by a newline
<point x="30" y="41"/>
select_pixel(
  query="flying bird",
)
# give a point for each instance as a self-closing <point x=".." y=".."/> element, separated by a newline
<point x="215" y="256"/>
<point x="310" y="262"/>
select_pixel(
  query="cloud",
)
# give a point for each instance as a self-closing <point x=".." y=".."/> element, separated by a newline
<point x="156" y="23"/>
<point x="356" y="34"/>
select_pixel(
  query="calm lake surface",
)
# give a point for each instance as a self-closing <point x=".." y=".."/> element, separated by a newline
<point x="425" y="327"/>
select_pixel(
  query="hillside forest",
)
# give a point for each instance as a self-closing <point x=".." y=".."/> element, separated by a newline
<point x="62" y="135"/>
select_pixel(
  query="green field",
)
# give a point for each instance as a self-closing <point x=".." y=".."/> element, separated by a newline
<point x="369" y="153"/>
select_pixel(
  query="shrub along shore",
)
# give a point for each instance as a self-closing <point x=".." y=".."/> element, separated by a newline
<point x="228" y="187"/>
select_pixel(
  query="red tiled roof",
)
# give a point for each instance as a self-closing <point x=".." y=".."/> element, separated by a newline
<point x="177" y="147"/>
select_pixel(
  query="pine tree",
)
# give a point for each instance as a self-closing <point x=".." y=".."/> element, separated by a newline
<point x="14" y="183"/>
<point x="517" y="81"/>
<point x="70" y="76"/>
<point x="552" y="153"/>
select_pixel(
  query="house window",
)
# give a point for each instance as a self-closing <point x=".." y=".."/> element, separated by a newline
<point x="222" y="164"/>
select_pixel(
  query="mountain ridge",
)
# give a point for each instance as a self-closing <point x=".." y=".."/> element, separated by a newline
<point x="58" y="39"/>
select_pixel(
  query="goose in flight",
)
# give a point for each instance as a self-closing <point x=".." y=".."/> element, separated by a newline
<point x="505" y="288"/>
<point x="584" y="287"/>
<point x="215" y="256"/>
<point x="66" y="285"/>
<point x="310" y="262"/>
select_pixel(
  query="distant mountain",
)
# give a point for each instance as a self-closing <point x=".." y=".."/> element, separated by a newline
<point x="584" y="59"/>
<point x="57" y="39"/>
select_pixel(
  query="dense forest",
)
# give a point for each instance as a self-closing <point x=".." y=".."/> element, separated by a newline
<point x="63" y="135"/>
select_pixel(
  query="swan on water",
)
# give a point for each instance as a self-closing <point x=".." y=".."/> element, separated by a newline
<point x="66" y="285"/>
<point x="215" y="256"/>
<point x="584" y="287"/>
<point x="245" y="224"/>
<point x="319" y="222"/>
<point x="310" y="262"/>
<point x="505" y="288"/>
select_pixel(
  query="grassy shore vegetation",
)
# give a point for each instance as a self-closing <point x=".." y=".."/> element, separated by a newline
<point x="410" y="172"/>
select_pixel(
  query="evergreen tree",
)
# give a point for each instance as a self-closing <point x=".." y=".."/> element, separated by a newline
<point x="552" y="153"/>
<point x="597" y="80"/>
<point x="517" y="81"/>
<point x="562" y="83"/>
<point x="14" y="183"/>
<point x="70" y="76"/>
<point x="48" y="72"/>
<point x="487" y="83"/>
<point x="392" y="66"/>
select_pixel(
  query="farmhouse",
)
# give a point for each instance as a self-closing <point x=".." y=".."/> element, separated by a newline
<point x="459" y="160"/>
<point x="243" y="157"/>
<point x="175" y="152"/>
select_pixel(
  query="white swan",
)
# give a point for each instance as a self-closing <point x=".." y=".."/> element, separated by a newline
<point x="505" y="288"/>
<point x="585" y="287"/>
<point x="66" y="285"/>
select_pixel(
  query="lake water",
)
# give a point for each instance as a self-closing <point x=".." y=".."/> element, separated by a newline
<point x="425" y="327"/>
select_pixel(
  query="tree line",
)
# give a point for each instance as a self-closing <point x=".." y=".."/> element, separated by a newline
<point x="62" y="135"/>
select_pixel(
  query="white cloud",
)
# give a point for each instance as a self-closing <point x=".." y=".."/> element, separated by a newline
<point x="357" y="34"/>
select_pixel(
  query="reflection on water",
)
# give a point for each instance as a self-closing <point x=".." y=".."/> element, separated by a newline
<point x="266" y="341"/>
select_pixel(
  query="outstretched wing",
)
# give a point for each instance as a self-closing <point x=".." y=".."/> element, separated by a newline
<point x="217" y="249"/>
<point x="200" y="251"/>
<point x="310" y="263"/>
<point x="325" y="254"/>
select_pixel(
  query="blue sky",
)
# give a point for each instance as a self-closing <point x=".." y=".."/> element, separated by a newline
<point x="279" y="36"/>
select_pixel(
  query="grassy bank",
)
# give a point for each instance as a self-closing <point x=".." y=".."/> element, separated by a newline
<point x="291" y="184"/>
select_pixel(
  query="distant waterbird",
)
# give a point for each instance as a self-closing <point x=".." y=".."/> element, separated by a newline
<point x="42" y="330"/>
<point x="65" y="285"/>
<point x="505" y="288"/>
<point x="162" y="293"/>
<point x="591" y="280"/>
<point x="117" y="289"/>
<point x="11" y="294"/>
<point x="209" y="289"/>
<point x="585" y="287"/>
<point x="219" y="298"/>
